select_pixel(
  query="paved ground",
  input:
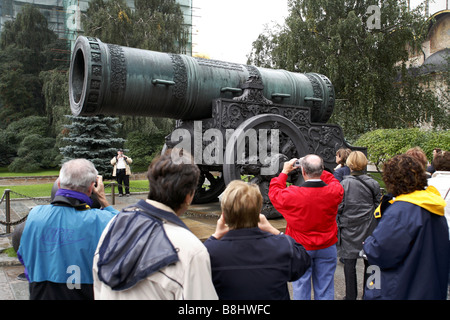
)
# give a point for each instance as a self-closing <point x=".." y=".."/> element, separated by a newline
<point x="201" y="220"/>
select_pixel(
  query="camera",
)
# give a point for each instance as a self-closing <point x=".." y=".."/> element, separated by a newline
<point x="297" y="163"/>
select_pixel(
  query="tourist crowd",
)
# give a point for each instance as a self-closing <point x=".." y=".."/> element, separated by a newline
<point x="80" y="247"/>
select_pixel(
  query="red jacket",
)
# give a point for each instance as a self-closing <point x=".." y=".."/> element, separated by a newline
<point x="310" y="210"/>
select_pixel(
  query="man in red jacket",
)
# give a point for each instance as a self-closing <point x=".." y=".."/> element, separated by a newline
<point x="310" y="211"/>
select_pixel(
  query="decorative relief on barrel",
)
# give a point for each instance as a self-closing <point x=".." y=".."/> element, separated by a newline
<point x="219" y="64"/>
<point x="317" y="89"/>
<point x="253" y="71"/>
<point x="96" y="57"/>
<point x="118" y="69"/>
<point x="253" y="91"/>
<point x="331" y="101"/>
<point x="95" y="46"/>
<point x="180" y="76"/>
<point x="96" y="76"/>
<point x="97" y="71"/>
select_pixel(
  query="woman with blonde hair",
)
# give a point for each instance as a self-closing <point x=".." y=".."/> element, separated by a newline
<point x="355" y="217"/>
<point x="251" y="259"/>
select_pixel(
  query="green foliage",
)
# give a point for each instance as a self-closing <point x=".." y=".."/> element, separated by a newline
<point x="35" y="153"/>
<point x="383" y="144"/>
<point x="109" y="21"/>
<point x="92" y="138"/>
<point x="20" y="90"/>
<point x="34" y="82"/>
<point x="29" y="30"/>
<point x="27" y="142"/>
<point x="154" y="25"/>
<point x="25" y="50"/>
<point x="159" y="26"/>
<point x="55" y="89"/>
<point x="367" y="67"/>
<point x="143" y="147"/>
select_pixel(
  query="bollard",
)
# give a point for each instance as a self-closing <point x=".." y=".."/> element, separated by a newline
<point x="8" y="209"/>
<point x="113" y="191"/>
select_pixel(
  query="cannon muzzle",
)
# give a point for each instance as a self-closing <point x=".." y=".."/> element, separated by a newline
<point x="116" y="80"/>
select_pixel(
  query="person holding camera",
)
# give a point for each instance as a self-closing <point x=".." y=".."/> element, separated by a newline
<point x="122" y="171"/>
<point x="251" y="259"/>
<point x="310" y="211"/>
<point x="59" y="240"/>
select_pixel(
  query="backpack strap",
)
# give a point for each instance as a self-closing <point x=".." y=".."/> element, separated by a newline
<point x="365" y="183"/>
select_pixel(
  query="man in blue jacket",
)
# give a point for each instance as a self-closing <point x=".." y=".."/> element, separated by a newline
<point x="59" y="240"/>
<point x="409" y="249"/>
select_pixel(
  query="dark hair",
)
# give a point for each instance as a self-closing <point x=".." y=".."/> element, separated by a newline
<point x="404" y="174"/>
<point x="170" y="182"/>
<point x="343" y="153"/>
<point x="441" y="161"/>
<point x="418" y="153"/>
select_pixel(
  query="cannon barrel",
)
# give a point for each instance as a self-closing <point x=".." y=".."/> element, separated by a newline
<point x="116" y="80"/>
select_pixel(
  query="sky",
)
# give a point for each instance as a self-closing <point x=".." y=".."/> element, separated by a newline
<point x="225" y="29"/>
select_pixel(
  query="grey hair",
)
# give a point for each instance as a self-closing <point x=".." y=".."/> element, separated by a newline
<point x="77" y="175"/>
<point x="312" y="165"/>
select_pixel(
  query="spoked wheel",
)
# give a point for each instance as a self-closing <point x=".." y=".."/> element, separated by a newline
<point x="257" y="150"/>
<point x="210" y="185"/>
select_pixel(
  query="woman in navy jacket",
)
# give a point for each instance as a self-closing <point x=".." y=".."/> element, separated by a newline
<point x="409" y="248"/>
<point x="250" y="259"/>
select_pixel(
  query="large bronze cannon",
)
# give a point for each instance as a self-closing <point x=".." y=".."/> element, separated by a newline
<point x="239" y="121"/>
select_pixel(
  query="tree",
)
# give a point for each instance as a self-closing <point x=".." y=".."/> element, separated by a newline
<point x="25" y="50"/>
<point x="109" y="21"/>
<point x="336" y="38"/>
<point x="26" y="145"/>
<point x="92" y="138"/>
<point x="154" y="24"/>
<point x="35" y="152"/>
<point x="143" y="145"/>
<point x="55" y="88"/>
<point x="159" y="26"/>
<point x="28" y="31"/>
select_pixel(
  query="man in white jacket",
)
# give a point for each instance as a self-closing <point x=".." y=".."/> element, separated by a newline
<point x="122" y="171"/>
<point x="147" y="252"/>
<point x="441" y="179"/>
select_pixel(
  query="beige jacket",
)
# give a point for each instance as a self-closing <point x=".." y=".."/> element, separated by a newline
<point x="128" y="161"/>
<point x="188" y="279"/>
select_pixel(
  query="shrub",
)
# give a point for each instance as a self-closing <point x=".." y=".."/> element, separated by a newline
<point x="35" y="153"/>
<point x="383" y="144"/>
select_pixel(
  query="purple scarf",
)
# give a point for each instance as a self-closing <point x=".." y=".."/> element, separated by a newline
<point x="74" y="194"/>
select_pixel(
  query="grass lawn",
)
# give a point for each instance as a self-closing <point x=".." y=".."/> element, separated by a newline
<point x="377" y="176"/>
<point x="45" y="189"/>
<point x="5" y="173"/>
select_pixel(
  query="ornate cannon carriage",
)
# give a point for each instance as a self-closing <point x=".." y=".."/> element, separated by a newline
<point x="238" y="121"/>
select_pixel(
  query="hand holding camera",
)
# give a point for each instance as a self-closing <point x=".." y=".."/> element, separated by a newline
<point x="291" y="165"/>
